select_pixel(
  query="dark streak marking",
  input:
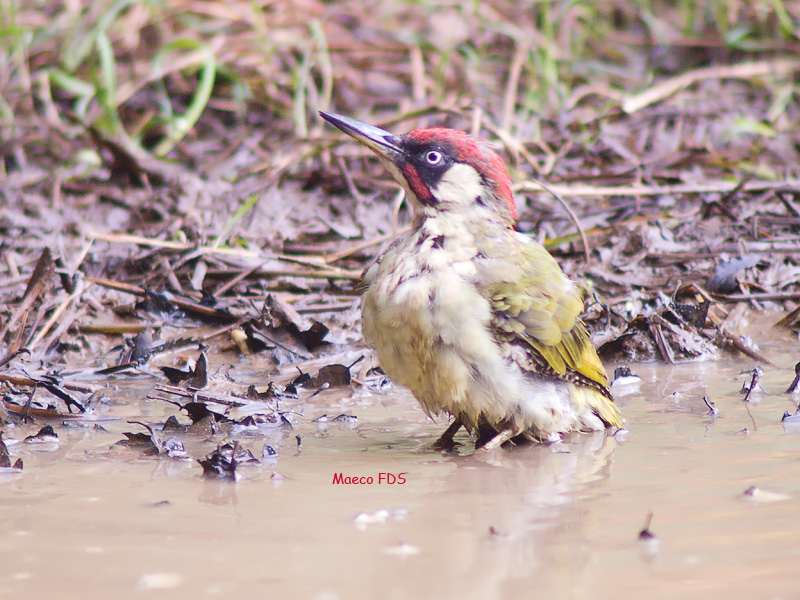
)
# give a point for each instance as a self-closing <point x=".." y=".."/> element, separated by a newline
<point x="417" y="185"/>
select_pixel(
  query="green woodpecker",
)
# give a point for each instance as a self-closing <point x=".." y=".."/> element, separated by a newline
<point x="477" y="320"/>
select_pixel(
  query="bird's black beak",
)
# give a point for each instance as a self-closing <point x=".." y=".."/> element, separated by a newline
<point x="383" y="143"/>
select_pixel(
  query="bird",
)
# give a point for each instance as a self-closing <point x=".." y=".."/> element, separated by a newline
<point x="476" y="319"/>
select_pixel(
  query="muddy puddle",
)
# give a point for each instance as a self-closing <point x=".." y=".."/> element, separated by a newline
<point x="560" y="521"/>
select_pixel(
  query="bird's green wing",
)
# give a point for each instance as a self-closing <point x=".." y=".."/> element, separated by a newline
<point x="534" y="304"/>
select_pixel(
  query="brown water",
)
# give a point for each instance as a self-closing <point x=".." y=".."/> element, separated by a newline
<point x="557" y="521"/>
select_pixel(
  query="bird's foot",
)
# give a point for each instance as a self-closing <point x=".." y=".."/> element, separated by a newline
<point x="501" y="438"/>
<point x="445" y="441"/>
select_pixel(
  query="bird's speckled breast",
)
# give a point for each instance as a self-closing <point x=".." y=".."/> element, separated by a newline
<point x="426" y="318"/>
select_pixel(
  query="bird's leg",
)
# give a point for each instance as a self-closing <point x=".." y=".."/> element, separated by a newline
<point x="445" y="441"/>
<point x="501" y="438"/>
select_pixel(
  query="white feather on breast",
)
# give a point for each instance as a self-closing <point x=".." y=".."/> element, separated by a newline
<point x="431" y="328"/>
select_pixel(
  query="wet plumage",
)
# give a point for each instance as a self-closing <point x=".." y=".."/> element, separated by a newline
<point x="477" y="320"/>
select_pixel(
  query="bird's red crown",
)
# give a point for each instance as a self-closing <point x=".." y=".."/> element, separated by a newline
<point x="475" y="152"/>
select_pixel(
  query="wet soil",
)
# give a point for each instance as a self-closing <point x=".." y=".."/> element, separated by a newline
<point x="672" y="201"/>
<point x="563" y="520"/>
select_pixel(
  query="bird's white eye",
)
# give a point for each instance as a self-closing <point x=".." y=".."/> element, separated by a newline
<point x="433" y="157"/>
